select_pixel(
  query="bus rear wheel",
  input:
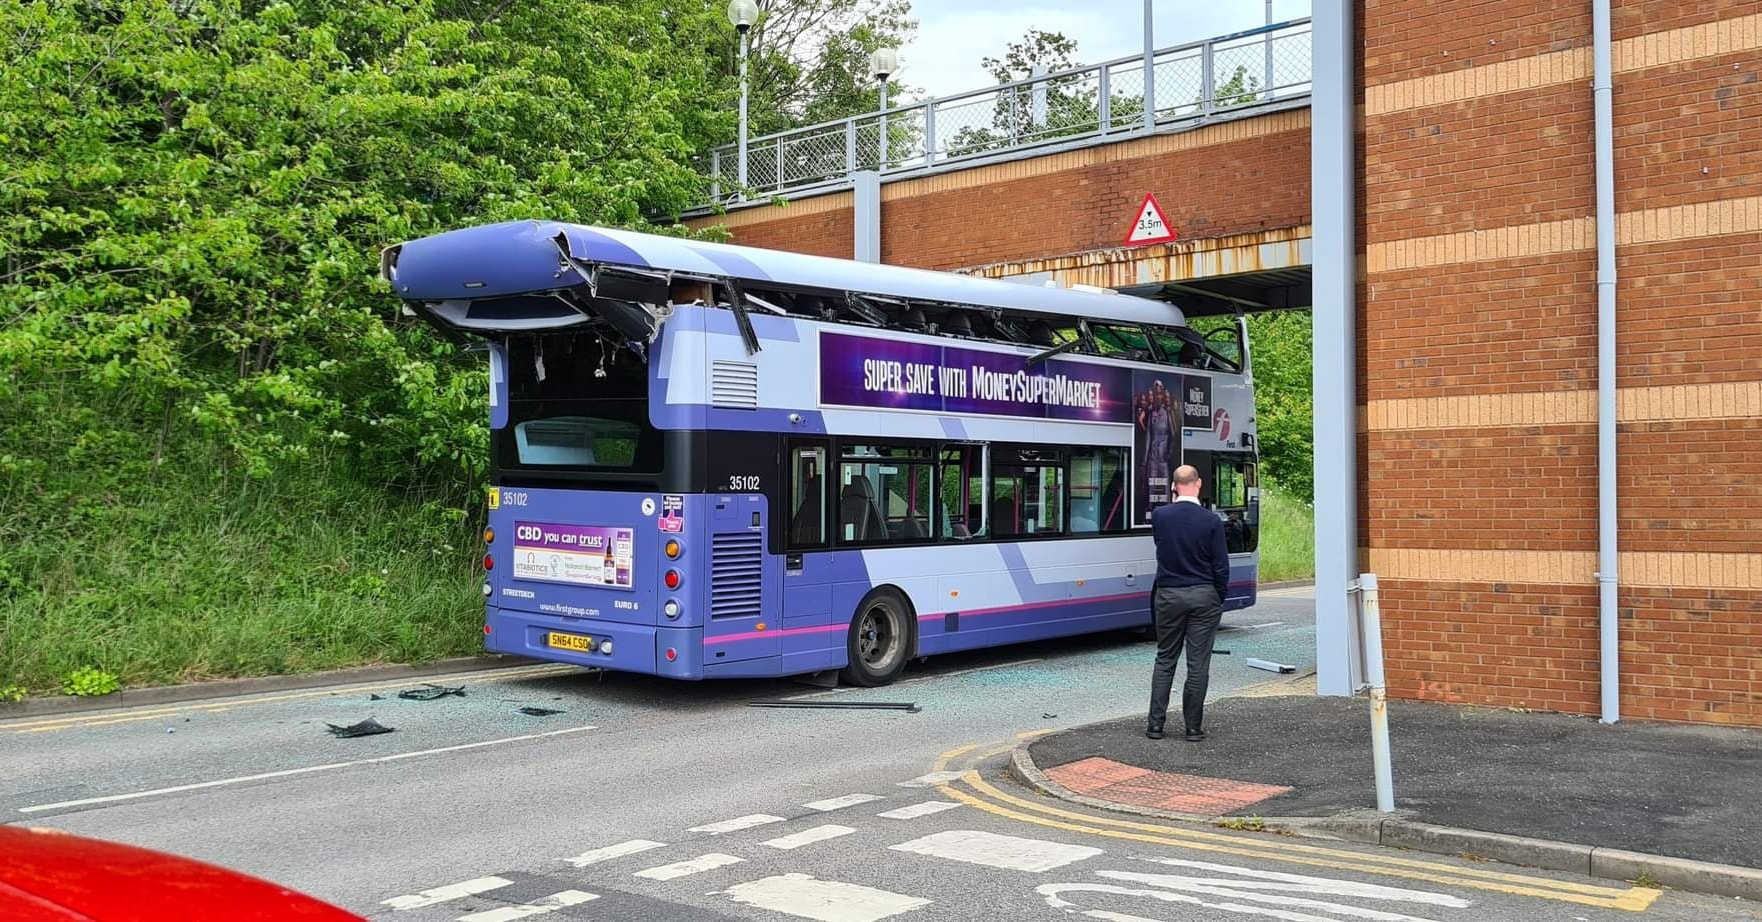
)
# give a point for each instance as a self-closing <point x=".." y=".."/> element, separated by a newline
<point x="880" y="640"/>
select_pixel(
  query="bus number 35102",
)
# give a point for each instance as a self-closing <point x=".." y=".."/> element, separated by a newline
<point x="743" y="482"/>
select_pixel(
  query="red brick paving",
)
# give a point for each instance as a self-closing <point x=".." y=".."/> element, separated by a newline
<point x="1128" y="784"/>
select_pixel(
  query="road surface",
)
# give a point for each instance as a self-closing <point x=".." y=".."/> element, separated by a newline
<point x="645" y="799"/>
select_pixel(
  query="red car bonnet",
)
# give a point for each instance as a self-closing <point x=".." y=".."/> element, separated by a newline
<point x="51" y="876"/>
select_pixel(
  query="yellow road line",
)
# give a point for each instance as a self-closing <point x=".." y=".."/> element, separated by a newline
<point x="991" y="800"/>
<point x="129" y="716"/>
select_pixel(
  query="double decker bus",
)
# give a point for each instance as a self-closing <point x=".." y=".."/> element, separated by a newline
<point x="719" y="461"/>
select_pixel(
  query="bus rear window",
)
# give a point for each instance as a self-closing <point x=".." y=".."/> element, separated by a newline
<point x="576" y="441"/>
<point x="575" y="404"/>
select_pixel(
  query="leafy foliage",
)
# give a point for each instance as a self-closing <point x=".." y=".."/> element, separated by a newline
<point x="1279" y="343"/>
<point x="193" y="196"/>
<point x="87" y="682"/>
<point x="809" y="59"/>
<point x="196" y="193"/>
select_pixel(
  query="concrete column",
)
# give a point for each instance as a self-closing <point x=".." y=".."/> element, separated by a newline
<point x="866" y="215"/>
<point x="1335" y="380"/>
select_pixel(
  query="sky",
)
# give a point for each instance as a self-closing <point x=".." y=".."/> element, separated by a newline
<point x="954" y="34"/>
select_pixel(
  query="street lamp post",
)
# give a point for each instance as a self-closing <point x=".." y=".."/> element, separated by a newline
<point x="742" y="14"/>
<point x="883" y="63"/>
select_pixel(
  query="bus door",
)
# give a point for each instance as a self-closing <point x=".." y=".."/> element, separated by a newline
<point x="744" y="619"/>
<point x="808" y="563"/>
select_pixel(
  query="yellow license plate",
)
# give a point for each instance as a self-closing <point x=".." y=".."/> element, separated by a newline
<point x="569" y="642"/>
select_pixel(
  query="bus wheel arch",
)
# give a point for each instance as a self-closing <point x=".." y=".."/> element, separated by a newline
<point x="882" y="638"/>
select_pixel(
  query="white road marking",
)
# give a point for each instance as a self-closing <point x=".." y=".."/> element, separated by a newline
<point x="538" y="907"/>
<point x="916" y="810"/>
<point x="823" y="900"/>
<point x="839" y="803"/>
<point x="598" y="855"/>
<point x="448" y="892"/>
<point x="810" y="836"/>
<point x="1268" y="624"/>
<point x="696" y="865"/>
<point x="1302" y="882"/>
<point x="287" y="773"/>
<point x="737" y="824"/>
<point x="1012" y="853"/>
<point x="930" y="780"/>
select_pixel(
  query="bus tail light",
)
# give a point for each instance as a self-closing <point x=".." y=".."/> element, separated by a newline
<point x="672" y="579"/>
<point x="489" y="563"/>
<point x="489" y="536"/>
<point x="671" y="609"/>
<point x="672" y="654"/>
<point x="486" y="629"/>
<point x="672" y="548"/>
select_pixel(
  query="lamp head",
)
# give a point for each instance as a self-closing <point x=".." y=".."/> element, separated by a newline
<point x="883" y="63"/>
<point x="742" y="14"/>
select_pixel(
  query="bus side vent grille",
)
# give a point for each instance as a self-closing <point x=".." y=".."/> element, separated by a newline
<point x="734" y="385"/>
<point x="735" y="570"/>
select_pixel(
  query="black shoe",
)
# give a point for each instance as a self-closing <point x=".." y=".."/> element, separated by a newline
<point x="1194" y="736"/>
<point x="1153" y="733"/>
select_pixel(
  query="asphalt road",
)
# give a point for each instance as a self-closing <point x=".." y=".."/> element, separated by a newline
<point x="644" y="799"/>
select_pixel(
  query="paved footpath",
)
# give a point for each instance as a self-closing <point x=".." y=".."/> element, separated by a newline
<point x="641" y="799"/>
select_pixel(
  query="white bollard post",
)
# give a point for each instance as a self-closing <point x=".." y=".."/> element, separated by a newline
<point x="1371" y="629"/>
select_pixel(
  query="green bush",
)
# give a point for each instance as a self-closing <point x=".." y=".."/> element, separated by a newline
<point x="87" y="682"/>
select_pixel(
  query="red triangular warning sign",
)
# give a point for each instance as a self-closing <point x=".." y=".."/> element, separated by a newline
<point x="1149" y="226"/>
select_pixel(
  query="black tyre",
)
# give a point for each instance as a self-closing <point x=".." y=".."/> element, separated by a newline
<point x="880" y="640"/>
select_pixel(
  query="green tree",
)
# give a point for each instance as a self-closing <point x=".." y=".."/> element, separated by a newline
<point x="1050" y="109"/>
<point x="1284" y="412"/>
<point x="194" y="195"/>
<point x="809" y="59"/>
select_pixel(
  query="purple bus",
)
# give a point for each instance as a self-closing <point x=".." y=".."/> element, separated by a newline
<point x="717" y="461"/>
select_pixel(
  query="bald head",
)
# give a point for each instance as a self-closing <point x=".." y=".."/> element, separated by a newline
<point x="1186" y="480"/>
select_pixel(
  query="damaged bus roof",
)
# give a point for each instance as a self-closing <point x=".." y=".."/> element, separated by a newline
<point x="531" y="257"/>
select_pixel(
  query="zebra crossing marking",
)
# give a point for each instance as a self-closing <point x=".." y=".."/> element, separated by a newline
<point x="537" y="907"/>
<point x="686" y="868"/>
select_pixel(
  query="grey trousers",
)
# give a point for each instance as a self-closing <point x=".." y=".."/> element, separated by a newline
<point x="1186" y="615"/>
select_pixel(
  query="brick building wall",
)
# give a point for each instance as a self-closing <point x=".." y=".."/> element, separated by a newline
<point x="1479" y="351"/>
<point x="1227" y="178"/>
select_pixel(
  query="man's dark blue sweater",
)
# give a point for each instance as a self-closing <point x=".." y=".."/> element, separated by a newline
<point x="1190" y="549"/>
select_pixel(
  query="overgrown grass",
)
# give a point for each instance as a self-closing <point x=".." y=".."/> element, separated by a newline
<point x="1287" y="536"/>
<point x="186" y="571"/>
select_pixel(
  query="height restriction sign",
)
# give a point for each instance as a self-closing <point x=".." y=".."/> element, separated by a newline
<point x="1149" y="226"/>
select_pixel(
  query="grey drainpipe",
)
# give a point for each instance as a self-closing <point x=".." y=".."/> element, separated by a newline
<point x="1608" y="615"/>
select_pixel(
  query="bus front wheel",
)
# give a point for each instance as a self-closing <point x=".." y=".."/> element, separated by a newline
<point x="880" y="640"/>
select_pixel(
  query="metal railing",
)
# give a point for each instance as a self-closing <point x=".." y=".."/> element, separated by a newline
<point x="1190" y="83"/>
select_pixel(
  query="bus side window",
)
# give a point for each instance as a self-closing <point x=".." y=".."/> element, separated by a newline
<point x="961" y="492"/>
<point x="1238" y="501"/>
<point x="1098" y="490"/>
<point x="807" y="497"/>
<point x="1027" y="492"/>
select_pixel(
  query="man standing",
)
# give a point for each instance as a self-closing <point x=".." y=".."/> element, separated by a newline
<point x="1192" y="575"/>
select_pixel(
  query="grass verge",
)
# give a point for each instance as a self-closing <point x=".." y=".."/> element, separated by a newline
<point x="1287" y="536"/>
<point x="191" y="572"/>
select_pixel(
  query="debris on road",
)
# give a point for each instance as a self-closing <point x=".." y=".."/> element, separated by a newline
<point x="538" y="712"/>
<point x="1046" y="716"/>
<point x="375" y="697"/>
<point x="430" y="691"/>
<point x="1270" y="666"/>
<point x="907" y="706"/>
<point x="368" y="727"/>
